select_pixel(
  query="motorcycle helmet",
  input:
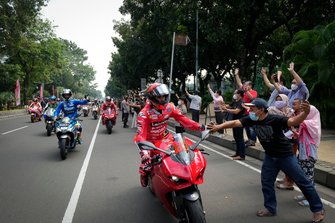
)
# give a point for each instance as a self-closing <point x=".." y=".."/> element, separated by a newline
<point x="108" y="99"/>
<point x="158" y="95"/>
<point x="52" y="99"/>
<point x="66" y="94"/>
<point x="35" y="99"/>
<point x="95" y="100"/>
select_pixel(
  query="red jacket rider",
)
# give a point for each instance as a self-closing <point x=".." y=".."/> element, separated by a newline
<point x="153" y="121"/>
<point x="107" y="104"/>
<point x="37" y="106"/>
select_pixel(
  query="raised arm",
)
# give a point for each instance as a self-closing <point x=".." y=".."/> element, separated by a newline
<point x="211" y="91"/>
<point x="265" y="78"/>
<point x="296" y="120"/>
<point x="294" y="74"/>
<point x="275" y="84"/>
<point x="237" y="78"/>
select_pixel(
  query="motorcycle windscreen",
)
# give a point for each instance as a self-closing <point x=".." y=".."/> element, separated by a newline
<point x="50" y="112"/>
<point x="180" y="150"/>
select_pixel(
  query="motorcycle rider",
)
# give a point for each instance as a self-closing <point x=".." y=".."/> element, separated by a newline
<point x="107" y="104"/>
<point x="36" y="105"/>
<point x="95" y="103"/>
<point x="152" y="124"/>
<point x="69" y="108"/>
<point x="52" y="103"/>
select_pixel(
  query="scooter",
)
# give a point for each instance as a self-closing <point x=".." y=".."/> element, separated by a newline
<point x="175" y="176"/>
<point x="109" y="119"/>
<point x="68" y="135"/>
<point x="49" y="120"/>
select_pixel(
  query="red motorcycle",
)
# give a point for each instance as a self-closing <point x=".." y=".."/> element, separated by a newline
<point x="35" y="114"/>
<point x="109" y="119"/>
<point x="175" y="175"/>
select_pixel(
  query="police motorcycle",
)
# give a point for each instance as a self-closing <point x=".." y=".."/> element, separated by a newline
<point x="95" y="110"/>
<point x="50" y="124"/>
<point x="67" y="131"/>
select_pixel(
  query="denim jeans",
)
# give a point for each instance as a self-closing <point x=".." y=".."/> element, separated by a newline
<point x="289" y="165"/>
<point x="251" y="134"/>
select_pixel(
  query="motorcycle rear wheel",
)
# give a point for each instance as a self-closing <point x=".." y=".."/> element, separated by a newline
<point x="32" y="119"/>
<point x="194" y="212"/>
<point x="62" y="148"/>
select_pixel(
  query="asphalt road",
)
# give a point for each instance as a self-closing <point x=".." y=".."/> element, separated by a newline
<point x="99" y="181"/>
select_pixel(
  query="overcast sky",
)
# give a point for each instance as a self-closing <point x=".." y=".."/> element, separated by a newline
<point x="88" y="23"/>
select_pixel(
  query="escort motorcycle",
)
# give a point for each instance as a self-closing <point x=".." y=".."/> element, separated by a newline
<point x="95" y="110"/>
<point x="67" y="131"/>
<point x="176" y="174"/>
<point x="50" y="123"/>
<point x="35" y="114"/>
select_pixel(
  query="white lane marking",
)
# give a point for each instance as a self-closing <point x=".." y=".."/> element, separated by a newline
<point x="71" y="207"/>
<point x="326" y="202"/>
<point x="14" y="130"/>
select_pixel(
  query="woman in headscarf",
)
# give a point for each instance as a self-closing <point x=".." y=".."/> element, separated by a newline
<point x="309" y="135"/>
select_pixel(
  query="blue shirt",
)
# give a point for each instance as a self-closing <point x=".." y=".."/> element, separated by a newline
<point x="301" y="92"/>
<point x="69" y="108"/>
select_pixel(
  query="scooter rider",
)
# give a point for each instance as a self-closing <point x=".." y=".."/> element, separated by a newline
<point x="107" y="104"/>
<point x="69" y="108"/>
<point x="152" y="124"/>
<point x="95" y="103"/>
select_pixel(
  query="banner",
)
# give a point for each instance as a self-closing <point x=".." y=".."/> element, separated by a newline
<point x="17" y="93"/>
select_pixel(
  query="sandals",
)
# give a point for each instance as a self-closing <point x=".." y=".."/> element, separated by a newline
<point x="299" y="197"/>
<point x="318" y="216"/>
<point x="264" y="213"/>
<point x="304" y="203"/>
<point x="284" y="187"/>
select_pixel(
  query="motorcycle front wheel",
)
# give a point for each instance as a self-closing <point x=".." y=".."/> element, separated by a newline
<point x="49" y="129"/>
<point x="194" y="212"/>
<point x="62" y="148"/>
<point x="109" y="126"/>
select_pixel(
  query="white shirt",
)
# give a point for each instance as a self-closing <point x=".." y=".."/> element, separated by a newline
<point x="195" y="102"/>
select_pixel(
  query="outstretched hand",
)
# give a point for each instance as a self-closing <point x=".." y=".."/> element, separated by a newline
<point x="263" y="71"/>
<point x="212" y="127"/>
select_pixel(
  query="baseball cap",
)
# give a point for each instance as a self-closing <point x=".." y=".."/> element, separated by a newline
<point x="258" y="102"/>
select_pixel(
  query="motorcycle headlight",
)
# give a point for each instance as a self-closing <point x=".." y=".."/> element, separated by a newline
<point x="174" y="178"/>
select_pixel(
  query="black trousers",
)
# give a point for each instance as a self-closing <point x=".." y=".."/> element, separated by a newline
<point x="195" y="115"/>
<point x="219" y="119"/>
<point x="125" y="118"/>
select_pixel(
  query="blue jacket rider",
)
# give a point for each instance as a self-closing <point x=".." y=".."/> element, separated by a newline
<point x="69" y="108"/>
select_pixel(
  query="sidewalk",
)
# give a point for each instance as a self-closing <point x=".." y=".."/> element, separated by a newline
<point x="324" y="168"/>
<point x="13" y="113"/>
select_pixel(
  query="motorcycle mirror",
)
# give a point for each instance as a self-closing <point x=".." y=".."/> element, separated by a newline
<point x="146" y="145"/>
<point x="204" y="134"/>
<point x="150" y="146"/>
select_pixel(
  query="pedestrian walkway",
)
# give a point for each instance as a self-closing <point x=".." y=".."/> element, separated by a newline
<point x="325" y="166"/>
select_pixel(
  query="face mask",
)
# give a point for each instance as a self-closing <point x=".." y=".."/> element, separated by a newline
<point x="253" y="117"/>
<point x="179" y="102"/>
<point x="294" y="87"/>
<point x="235" y="97"/>
<point x="280" y="104"/>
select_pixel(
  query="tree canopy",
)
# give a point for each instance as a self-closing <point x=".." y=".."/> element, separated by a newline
<point x="247" y="34"/>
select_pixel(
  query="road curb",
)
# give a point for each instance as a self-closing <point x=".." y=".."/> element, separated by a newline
<point x="323" y="175"/>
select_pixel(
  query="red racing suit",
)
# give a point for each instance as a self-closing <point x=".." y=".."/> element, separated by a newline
<point x="38" y="108"/>
<point x="152" y="127"/>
